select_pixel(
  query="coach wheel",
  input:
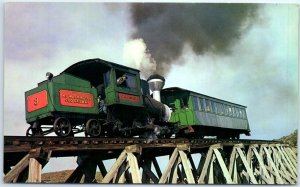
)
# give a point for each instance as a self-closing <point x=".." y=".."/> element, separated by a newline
<point x="62" y="127"/>
<point x="93" y="128"/>
<point x="237" y="137"/>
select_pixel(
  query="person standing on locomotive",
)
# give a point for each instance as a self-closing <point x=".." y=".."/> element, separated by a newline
<point x="101" y="97"/>
<point x="122" y="80"/>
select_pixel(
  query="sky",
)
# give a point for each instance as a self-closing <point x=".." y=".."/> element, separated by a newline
<point x="252" y="61"/>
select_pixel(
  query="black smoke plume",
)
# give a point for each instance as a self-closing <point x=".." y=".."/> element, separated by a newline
<point x="166" y="27"/>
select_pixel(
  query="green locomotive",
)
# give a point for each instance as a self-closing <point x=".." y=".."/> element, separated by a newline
<point x="102" y="98"/>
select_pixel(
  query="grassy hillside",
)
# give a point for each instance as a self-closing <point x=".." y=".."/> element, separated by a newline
<point x="290" y="139"/>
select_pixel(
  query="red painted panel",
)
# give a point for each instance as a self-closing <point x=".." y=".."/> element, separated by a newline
<point x="128" y="97"/>
<point x="37" y="101"/>
<point x="76" y="99"/>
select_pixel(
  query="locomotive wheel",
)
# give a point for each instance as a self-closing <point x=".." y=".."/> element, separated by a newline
<point x="33" y="132"/>
<point x="93" y="128"/>
<point x="29" y="132"/>
<point x="62" y="127"/>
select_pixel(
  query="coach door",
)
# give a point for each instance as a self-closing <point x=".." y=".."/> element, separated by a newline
<point x="185" y="114"/>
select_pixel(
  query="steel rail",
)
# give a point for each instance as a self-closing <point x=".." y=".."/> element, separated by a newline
<point x="25" y="144"/>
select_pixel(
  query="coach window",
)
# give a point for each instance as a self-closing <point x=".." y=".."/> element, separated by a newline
<point x="239" y="111"/>
<point x="220" y="108"/>
<point x="244" y="114"/>
<point x="207" y="104"/>
<point x="236" y="112"/>
<point x="230" y="111"/>
<point x="202" y="104"/>
<point x="213" y="107"/>
<point x="233" y="111"/>
<point x="225" y="109"/>
<point x="195" y="102"/>
<point x="217" y="107"/>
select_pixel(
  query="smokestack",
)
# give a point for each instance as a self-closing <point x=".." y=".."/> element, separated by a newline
<point x="156" y="83"/>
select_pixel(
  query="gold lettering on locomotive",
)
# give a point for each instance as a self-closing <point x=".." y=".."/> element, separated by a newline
<point x="77" y="99"/>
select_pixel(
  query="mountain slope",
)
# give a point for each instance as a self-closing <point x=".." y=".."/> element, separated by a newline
<point x="290" y="139"/>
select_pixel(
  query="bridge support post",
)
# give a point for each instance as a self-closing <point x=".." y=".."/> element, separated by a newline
<point x="38" y="158"/>
<point x="212" y="156"/>
<point x="178" y="156"/>
<point x="35" y="171"/>
<point x="270" y="164"/>
<point x="118" y="174"/>
<point x="260" y="168"/>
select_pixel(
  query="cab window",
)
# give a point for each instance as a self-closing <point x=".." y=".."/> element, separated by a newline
<point x="107" y="78"/>
<point x="126" y="80"/>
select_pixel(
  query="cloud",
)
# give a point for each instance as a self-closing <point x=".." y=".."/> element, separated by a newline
<point x="136" y="56"/>
<point x="167" y="27"/>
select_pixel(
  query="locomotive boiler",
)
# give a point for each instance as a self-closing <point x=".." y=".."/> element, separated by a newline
<point x="101" y="98"/>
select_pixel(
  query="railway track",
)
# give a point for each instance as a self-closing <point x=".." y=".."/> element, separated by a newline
<point x="25" y="144"/>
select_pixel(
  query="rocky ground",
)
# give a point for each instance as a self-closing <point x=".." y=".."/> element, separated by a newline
<point x="61" y="176"/>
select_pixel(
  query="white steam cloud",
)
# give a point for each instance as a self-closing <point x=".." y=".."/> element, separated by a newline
<point x="135" y="55"/>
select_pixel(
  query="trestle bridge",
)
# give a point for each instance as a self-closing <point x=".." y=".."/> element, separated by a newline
<point x="218" y="161"/>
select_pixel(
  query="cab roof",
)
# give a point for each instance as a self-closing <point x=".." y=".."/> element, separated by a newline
<point x="92" y="69"/>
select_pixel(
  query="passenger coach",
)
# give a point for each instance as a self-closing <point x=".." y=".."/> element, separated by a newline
<point x="200" y="115"/>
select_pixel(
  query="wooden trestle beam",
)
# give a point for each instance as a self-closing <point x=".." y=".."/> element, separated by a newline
<point x="218" y="164"/>
<point x="16" y="170"/>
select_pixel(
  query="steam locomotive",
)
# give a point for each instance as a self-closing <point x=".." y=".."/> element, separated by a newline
<point x="101" y="98"/>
